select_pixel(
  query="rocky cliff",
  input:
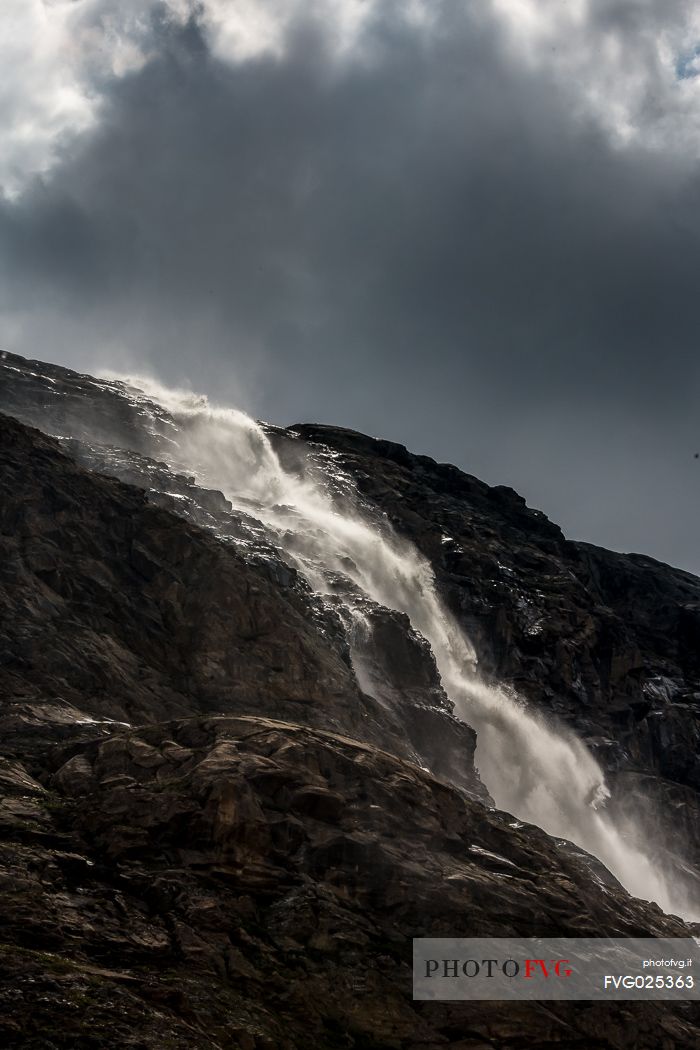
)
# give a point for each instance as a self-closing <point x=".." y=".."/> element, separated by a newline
<point x="210" y="834"/>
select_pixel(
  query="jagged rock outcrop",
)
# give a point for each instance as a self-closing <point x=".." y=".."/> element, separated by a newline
<point x="396" y="665"/>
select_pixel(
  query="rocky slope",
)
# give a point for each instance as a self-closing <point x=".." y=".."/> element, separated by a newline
<point x="209" y="835"/>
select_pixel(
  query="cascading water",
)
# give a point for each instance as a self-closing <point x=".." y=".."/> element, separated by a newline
<point x="539" y="773"/>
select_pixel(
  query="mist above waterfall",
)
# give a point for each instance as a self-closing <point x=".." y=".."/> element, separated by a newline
<point x="538" y="771"/>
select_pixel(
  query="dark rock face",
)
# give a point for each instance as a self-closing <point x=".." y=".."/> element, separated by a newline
<point x="396" y="665"/>
<point x="210" y="835"/>
<point x="609" y="643"/>
<point x="237" y="881"/>
<point x="118" y="607"/>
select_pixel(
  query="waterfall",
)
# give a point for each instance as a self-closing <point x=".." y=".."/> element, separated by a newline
<point x="541" y="773"/>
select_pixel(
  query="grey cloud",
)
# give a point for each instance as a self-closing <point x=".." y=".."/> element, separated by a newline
<point x="422" y="241"/>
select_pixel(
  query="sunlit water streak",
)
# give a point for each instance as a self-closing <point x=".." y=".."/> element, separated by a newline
<point x="541" y="773"/>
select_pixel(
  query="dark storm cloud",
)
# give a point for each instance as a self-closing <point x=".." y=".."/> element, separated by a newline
<point x="423" y="241"/>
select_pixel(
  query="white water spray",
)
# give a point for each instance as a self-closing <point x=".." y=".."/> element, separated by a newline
<point x="541" y="774"/>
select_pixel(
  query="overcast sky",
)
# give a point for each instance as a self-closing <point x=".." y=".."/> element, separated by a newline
<point x="472" y="227"/>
